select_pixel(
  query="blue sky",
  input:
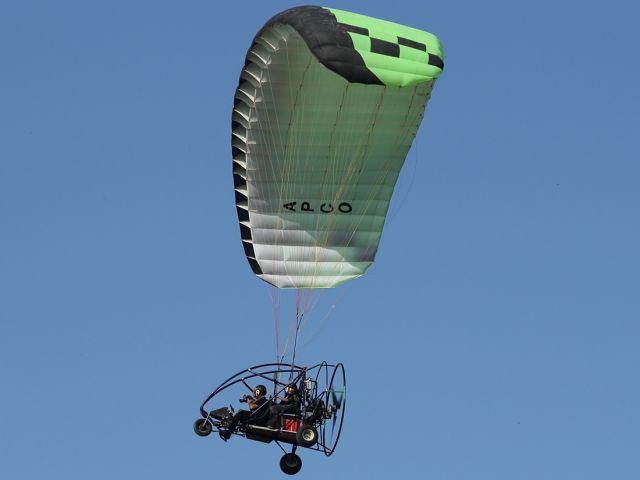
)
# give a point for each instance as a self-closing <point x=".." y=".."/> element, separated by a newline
<point x="496" y="337"/>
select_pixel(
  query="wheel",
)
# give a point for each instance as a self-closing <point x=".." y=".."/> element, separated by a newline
<point x="290" y="463"/>
<point x="202" y="427"/>
<point x="306" y="436"/>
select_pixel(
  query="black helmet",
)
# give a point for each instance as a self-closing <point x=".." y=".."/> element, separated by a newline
<point x="260" y="390"/>
<point x="292" y="386"/>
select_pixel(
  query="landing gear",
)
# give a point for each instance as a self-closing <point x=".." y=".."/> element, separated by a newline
<point x="307" y="436"/>
<point x="290" y="463"/>
<point x="202" y="427"/>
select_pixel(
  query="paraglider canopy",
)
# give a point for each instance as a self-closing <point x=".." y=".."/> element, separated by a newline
<point x="325" y="112"/>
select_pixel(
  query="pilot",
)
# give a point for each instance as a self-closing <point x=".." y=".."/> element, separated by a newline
<point x="290" y="403"/>
<point x="257" y="409"/>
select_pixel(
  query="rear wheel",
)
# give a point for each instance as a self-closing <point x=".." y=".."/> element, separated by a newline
<point x="290" y="463"/>
<point x="202" y="427"/>
<point x="306" y="436"/>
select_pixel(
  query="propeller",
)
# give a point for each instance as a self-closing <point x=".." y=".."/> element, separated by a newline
<point x="337" y="405"/>
<point x="337" y="401"/>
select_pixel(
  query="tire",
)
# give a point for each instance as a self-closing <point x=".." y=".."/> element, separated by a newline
<point x="202" y="427"/>
<point x="307" y="436"/>
<point x="290" y="463"/>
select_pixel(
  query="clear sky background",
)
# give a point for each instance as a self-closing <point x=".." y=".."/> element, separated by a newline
<point x="496" y="336"/>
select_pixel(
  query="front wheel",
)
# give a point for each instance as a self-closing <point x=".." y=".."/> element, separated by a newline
<point x="306" y="436"/>
<point x="202" y="427"/>
<point x="290" y="463"/>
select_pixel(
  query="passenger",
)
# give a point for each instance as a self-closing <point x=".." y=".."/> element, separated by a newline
<point x="290" y="403"/>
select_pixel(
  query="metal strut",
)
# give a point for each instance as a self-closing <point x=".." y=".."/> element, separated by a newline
<point x="295" y="339"/>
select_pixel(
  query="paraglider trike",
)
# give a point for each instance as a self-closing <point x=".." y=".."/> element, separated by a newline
<point x="315" y="424"/>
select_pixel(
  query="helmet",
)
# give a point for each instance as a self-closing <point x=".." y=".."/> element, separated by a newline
<point x="292" y="386"/>
<point x="260" y="390"/>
